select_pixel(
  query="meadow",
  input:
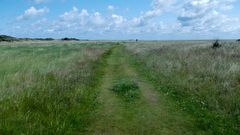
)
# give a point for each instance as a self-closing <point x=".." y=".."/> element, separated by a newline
<point x="204" y="81"/>
<point x="145" y="87"/>
<point x="47" y="88"/>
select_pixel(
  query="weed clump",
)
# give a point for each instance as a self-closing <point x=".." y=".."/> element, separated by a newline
<point x="216" y="44"/>
<point x="126" y="88"/>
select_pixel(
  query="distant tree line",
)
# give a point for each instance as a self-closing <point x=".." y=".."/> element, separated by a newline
<point x="7" y="38"/>
<point x="11" y="39"/>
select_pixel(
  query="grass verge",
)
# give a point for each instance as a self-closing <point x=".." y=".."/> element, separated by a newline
<point x="64" y="104"/>
<point x="205" y="119"/>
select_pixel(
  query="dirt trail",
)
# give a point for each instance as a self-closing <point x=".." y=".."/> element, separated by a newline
<point x="152" y="114"/>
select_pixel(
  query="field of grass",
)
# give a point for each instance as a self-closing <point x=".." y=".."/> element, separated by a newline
<point x="47" y="88"/>
<point x="202" y="80"/>
<point x="124" y="88"/>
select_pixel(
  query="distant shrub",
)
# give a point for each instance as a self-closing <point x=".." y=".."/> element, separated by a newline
<point x="238" y="40"/>
<point x="44" y="39"/>
<point x="126" y="88"/>
<point x="216" y="44"/>
<point x="70" y="39"/>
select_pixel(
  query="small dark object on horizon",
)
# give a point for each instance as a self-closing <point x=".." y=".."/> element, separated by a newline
<point x="136" y="40"/>
<point x="45" y="39"/>
<point x="70" y="39"/>
<point x="216" y="44"/>
<point x="238" y="40"/>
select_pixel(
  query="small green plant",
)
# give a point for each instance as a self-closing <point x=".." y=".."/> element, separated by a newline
<point x="126" y="88"/>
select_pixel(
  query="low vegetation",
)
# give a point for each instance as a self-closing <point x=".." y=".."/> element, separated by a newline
<point x="216" y="44"/>
<point x="203" y="81"/>
<point x="70" y="39"/>
<point x="6" y="38"/>
<point x="49" y="89"/>
<point x="144" y="87"/>
<point x="40" y="39"/>
<point x="126" y="88"/>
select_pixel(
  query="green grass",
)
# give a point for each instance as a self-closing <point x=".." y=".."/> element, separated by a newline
<point x="150" y="113"/>
<point x="178" y="87"/>
<point x="126" y="88"/>
<point x="48" y="88"/>
<point x="202" y="81"/>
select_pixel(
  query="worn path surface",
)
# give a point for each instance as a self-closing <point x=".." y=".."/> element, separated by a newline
<point x="152" y="114"/>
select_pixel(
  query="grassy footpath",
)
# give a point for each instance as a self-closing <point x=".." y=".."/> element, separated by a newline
<point x="73" y="88"/>
<point x="147" y="112"/>
<point x="61" y="101"/>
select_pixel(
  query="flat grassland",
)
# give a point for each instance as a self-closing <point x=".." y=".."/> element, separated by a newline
<point x="112" y="88"/>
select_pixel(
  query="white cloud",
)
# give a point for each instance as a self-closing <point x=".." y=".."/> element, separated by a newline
<point x="189" y="16"/>
<point x="117" y="19"/>
<point x="77" y="20"/>
<point x="111" y="7"/>
<point x="74" y="15"/>
<point x="97" y="19"/>
<point x="192" y="16"/>
<point x="206" y="15"/>
<point x="158" y="7"/>
<point x="32" y="12"/>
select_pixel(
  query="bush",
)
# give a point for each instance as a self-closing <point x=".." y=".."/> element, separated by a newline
<point x="216" y="44"/>
<point x="70" y="39"/>
<point x="126" y="88"/>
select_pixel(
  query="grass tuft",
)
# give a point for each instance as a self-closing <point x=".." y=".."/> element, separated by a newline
<point x="126" y="88"/>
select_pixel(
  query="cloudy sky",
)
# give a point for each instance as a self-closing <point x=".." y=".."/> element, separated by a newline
<point x="121" y="19"/>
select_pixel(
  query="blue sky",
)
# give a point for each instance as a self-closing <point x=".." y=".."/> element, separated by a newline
<point x="121" y="19"/>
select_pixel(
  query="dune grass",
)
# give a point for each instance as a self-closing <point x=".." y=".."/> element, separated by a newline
<point x="49" y="88"/>
<point x="202" y="80"/>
